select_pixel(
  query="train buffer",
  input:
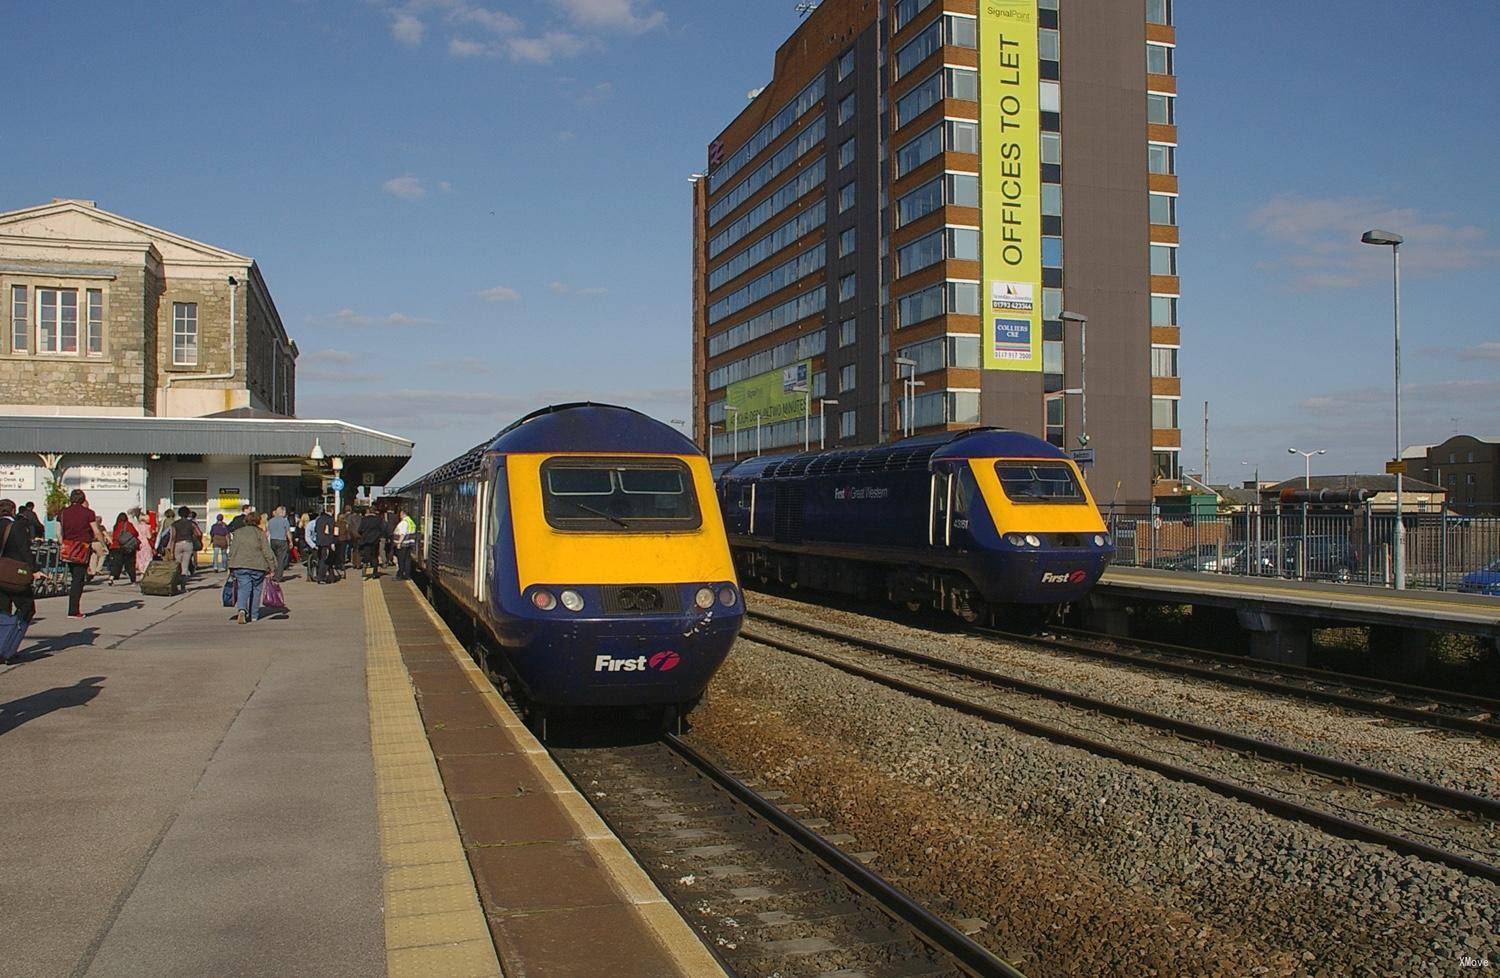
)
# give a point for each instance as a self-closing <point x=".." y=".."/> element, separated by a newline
<point x="333" y="793"/>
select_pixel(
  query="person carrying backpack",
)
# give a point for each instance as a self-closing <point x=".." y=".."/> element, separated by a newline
<point x="18" y="570"/>
<point x="124" y="541"/>
<point x="218" y="535"/>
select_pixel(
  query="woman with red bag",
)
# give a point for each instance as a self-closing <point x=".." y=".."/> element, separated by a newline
<point x="80" y="531"/>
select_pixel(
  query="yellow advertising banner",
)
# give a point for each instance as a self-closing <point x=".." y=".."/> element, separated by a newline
<point x="1010" y="176"/>
<point x="776" y="395"/>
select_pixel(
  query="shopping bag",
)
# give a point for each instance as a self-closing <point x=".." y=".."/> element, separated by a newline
<point x="272" y="598"/>
<point x="231" y="591"/>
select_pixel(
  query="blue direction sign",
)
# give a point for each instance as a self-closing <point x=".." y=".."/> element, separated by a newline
<point x="337" y="485"/>
<point x="1084" y="457"/>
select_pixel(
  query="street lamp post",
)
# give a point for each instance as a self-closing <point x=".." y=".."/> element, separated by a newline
<point x="1377" y="237"/>
<point x="757" y="434"/>
<point x="1083" y="373"/>
<point x="1306" y="484"/>
<point x="734" y="441"/>
<point x="909" y="394"/>
<point x="823" y="403"/>
<point x="711" y="427"/>
<point x="1256" y="535"/>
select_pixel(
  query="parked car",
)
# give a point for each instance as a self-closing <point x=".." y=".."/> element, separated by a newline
<point x="1229" y="560"/>
<point x="1327" y="558"/>
<point x="1486" y="580"/>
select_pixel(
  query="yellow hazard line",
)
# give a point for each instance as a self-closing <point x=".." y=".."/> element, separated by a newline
<point x="434" y="924"/>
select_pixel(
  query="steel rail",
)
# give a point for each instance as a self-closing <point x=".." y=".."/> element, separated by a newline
<point x="1071" y="640"/>
<point x="934" y="930"/>
<point x="1325" y="821"/>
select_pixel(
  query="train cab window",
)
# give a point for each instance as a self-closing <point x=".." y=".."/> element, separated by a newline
<point x="1038" y="482"/>
<point x="619" y="495"/>
<point x="499" y="504"/>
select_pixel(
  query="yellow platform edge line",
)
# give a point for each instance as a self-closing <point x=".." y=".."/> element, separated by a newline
<point x="677" y="939"/>
<point x="434" y="922"/>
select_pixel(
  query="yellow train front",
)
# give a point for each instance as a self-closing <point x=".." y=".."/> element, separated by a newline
<point x="585" y="544"/>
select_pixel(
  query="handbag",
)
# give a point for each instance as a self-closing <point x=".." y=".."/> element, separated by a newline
<point x="75" y="552"/>
<point x="272" y="597"/>
<point x="15" y="575"/>
<point x="231" y="591"/>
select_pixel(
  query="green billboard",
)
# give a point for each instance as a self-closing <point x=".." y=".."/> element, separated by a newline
<point x="776" y="395"/>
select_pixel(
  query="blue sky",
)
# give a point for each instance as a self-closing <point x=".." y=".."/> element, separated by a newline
<point x="466" y="210"/>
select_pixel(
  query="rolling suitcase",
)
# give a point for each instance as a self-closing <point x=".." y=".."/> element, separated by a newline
<point x="162" y="577"/>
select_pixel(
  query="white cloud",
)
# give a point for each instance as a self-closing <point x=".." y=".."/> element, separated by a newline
<point x="326" y="375"/>
<point x="348" y="317"/>
<point x="1320" y="248"/>
<point x="344" y="317"/>
<point x="567" y="136"/>
<point x="460" y="48"/>
<point x="596" y="94"/>
<point x="328" y="356"/>
<point x="407" y="188"/>
<point x="545" y="48"/>
<point x="494" y="21"/>
<point x="402" y="319"/>
<point x="627" y="16"/>
<point x="407" y="29"/>
<point x="563" y="288"/>
<point x="463" y="365"/>
<point x="1483" y="351"/>
<point x="500" y="293"/>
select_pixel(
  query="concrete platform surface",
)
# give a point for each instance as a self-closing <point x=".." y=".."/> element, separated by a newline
<point x="182" y="795"/>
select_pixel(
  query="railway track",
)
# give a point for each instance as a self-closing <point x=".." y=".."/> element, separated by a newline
<point x="1397" y="701"/>
<point x="1412" y="817"/>
<point x="771" y="895"/>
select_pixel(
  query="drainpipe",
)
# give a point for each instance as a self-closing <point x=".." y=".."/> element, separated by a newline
<point x="234" y="289"/>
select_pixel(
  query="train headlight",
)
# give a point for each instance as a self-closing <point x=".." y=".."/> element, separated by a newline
<point x="1015" y="539"/>
<point x="572" y="600"/>
<point x="1032" y="540"/>
<point x="704" y="599"/>
<point x="727" y="597"/>
<point x="1100" y="540"/>
<point x="544" y="600"/>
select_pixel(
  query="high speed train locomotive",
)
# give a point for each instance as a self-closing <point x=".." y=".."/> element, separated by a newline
<point x="987" y="523"/>
<point x="584" y="543"/>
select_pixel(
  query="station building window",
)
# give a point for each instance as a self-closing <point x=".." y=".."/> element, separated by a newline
<point x="57" y="320"/>
<point x="20" y="320"/>
<point x="184" y="334"/>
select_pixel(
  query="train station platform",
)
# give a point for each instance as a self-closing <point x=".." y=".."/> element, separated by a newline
<point x="1279" y="613"/>
<point x="337" y="792"/>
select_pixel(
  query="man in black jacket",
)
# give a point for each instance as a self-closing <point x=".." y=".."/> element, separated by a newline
<point x="371" y="532"/>
<point x="17" y="608"/>
<point x="325" y="533"/>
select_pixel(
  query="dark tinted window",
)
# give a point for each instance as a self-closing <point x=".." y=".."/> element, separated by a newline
<point x="619" y="494"/>
<point x="1038" y="482"/>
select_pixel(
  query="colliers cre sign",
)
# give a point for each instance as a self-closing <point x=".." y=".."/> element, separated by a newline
<point x="1010" y="174"/>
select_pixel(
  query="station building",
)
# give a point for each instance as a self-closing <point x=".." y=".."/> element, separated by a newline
<point x="149" y="369"/>
<point x="938" y="182"/>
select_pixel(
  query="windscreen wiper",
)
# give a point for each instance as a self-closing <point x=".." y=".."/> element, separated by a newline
<point x="602" y="514"/>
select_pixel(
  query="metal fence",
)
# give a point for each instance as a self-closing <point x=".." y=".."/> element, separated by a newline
<point x="1444" y="550"/>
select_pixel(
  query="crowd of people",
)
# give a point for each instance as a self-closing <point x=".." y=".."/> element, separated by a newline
<point x="253" y="549"/>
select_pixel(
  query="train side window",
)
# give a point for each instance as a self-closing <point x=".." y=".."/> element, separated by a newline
<point x="499" y="503"/>
<point x="745" y="496"/>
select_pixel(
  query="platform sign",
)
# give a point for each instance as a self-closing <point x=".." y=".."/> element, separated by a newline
<point x="17" y="476"/>
<point x="336" y="485"/>
<point x="776" y="395"/>
<point x="1010" y="175"/>
<point x="1396" y="467"/>
<point x="1083" y="457"/>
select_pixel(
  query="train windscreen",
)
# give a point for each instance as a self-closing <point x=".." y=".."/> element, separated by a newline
<point x="607" y="494"/>
<point x="1039" y="482"/>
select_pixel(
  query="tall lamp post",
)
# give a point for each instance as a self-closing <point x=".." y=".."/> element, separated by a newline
<point x="1377" y="237"/>
<point x="909" y="394"/>
<point x="1083" y="373"/>
<point x="1306" y="484"/>
<point x="823" y="403"/>
<point x="734" y="441"/>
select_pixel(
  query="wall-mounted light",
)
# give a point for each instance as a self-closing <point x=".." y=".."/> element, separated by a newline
<point x="317" y="451"/>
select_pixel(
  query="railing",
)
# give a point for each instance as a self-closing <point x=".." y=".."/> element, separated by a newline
<point x="1444" y="550"/>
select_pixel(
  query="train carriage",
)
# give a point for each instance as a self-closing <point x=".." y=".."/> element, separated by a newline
<point x="585" y="545"/>
<point x="975" y="522"/>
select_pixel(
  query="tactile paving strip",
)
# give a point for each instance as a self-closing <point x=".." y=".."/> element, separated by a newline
<point x="434" y="924"/>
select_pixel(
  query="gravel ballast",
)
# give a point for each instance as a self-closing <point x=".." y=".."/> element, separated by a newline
<point x="1082" y="865"/>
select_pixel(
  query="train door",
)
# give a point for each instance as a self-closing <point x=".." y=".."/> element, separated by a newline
<point x="481" y="535"/>
<point x="496" y="523"/>
<point x="940" y="509"/>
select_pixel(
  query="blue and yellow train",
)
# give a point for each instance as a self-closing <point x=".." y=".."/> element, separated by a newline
<point x="585" y="545"/>
<point x="986" y="523"/>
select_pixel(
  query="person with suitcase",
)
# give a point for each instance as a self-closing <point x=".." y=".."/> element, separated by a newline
<point x="251" y="562"/>
<point x="183" y="540"/>
<point x="80" y="531"/>
<point x="18" y="572"/>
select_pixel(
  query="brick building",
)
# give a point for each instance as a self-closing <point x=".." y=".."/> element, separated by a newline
<point x="106" y="315"/>
<point x="1466" y="466"/>
<point x="853" y="224"/>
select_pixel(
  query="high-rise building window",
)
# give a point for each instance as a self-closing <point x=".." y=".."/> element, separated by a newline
<point x="846" y="109"/>
<point x="1047" y="47"/>
<point x="1052" y="304"/>
<point x="20" y="321"/>
<point x="1163" y="310"/>
<point x="1161" y="158"/>
<point x="846" y="424"/>
<point x="963" y="351"/>
<point x="1163" y="260"/>
<point x="963" y="407"/>
<point x="1164" y="361"/>
<point x="95" y="334"/>
<point x="846" y="64"/>
<point x="184" y="334"/>
<point x="1051" y="147"/>
<point x="1164" y="465"/>
<point x="1057" y="417"/>
<point x="1050" y="97"/>
<point x="1052" y="356"/>
<point x="1158" y="59"/>
<point x="919" y="150"/>
<point x="1163" y="209"/>
<point x="848" y="331"/>
<point x="847" y="287"/>
<point x="1052" y="199"/>
<point x="846" y="153"/>
<point x="963" y="137"/>
<point x="846" y="196"/>
<point x="1052" y="252"/>
<point x="57" y="320"/>
<point x="1161" y="109"/>
<point x="1164" y="412"/>
<point x="1159" y="11"/>
<point x="846" y="242"/>
<point x="846" y="378"/>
